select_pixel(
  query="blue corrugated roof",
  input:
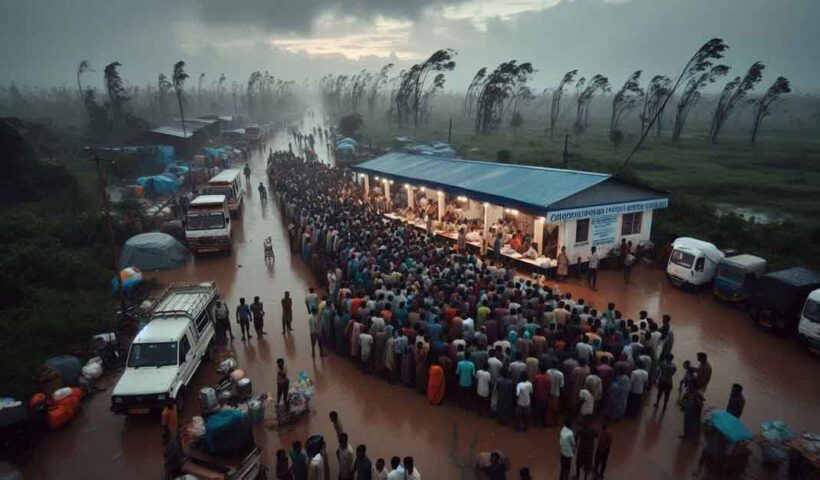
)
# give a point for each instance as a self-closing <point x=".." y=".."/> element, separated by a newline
<point x="530" y="187"/>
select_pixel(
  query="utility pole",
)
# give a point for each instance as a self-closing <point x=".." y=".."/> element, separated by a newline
<point x="566" y="155"/>
<point x="450" y="132"/>
<point x="103" y="177"/>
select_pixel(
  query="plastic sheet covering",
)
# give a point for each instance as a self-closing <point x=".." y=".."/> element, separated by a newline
<point x="227" y="432"/>
<point x="153" y="251"/>
<point x="131" y="277"/>
<point x="68" y="366"/>
<point x="729" y="425"/>
<point x="159" y="185"/>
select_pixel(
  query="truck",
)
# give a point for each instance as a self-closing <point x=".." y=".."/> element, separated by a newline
<point x="167" y="352"/>
<point x="736" y="276"/>
<point x="808" y="330"/>
<point x="253" y="134"/>
<point x="208" y="224"/>
<point x="228" y="182"/>
<point x="693" y="262"/>
<point x="779" y="297"/>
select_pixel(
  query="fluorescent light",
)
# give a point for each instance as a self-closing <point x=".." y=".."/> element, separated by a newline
<point x="486" y="204"/>
<point x="440" y="192"/>
<point x="391" y="182"/>
<point x="377" y="178"/>
<point x="406" y="185"/>
<point x="462" y="199"/>
<point x="421" y="188"/>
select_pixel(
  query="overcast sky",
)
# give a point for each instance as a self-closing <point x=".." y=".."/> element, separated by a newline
<point x="42" y="41"/>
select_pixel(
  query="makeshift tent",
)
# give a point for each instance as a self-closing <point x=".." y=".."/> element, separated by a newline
<point x="177" y="170"/>
<point x="153" y="251"/>
<point x="158" y="185"/>
<point x="347" y="140"/>
<point x="163" y="154"/>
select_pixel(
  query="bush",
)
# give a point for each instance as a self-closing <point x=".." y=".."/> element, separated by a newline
<point x="503" y="156"/>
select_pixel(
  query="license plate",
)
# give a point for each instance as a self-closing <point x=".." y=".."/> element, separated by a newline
<point x="138" y="411"/>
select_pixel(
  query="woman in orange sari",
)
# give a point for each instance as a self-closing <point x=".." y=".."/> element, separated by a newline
<point x="436" y="384"/>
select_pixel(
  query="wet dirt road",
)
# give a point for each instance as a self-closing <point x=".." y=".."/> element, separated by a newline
<point x="779" y="380"/>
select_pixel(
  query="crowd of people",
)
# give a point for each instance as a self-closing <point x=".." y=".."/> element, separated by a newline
<point x="417" y="310"/>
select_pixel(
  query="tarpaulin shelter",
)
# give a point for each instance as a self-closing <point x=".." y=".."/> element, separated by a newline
<point x="158" y="185"/>
<point x="163" y="154"/>
<point x="153" y="251"/>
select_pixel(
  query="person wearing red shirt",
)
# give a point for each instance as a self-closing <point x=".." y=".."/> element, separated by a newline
<point x="541" y="386"/>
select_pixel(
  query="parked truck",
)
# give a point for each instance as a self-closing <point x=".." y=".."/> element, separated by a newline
<point x="693" y="262"/>
<point x="208" y="224"/>
<point x="736" y="276"/>
<point x="167" y="352"/>
<point x="779" y="298"/>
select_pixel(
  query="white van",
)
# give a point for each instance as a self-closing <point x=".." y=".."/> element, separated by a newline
<point x="808" y="330"/>
<point x="167" y="352"/>
<point x="208" y="224"/>
<point x="228" y="182"/>
<point x="693" y="262"/>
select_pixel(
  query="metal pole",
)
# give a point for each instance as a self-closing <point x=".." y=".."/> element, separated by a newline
<point x="450" y="132"/>
<point x="103" y="176"/>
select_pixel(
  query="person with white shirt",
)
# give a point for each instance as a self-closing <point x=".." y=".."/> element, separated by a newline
<point x="584" y="349"/>
<point x="483" y="380"/>
<point x="365" y="349"/>
<point x="494" y="366"/>
<point x="410" y="471"/>
<point x="523" y="392"/>
<point x="566" y="443"/>
<point x="638" y="381"/>
<point x="397" y="470"/>
<point x="587" y="403"/>
<point x="592" y="267"/>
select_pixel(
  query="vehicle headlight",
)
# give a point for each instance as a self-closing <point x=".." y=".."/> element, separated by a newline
<point x="161" y="397"/>
<point x="117" y="399"/>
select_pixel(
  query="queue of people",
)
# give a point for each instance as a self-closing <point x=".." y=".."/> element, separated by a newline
<point x="418" y="311"/>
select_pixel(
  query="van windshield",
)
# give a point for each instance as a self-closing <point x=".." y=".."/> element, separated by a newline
<point x="682" y="258"/>
<point x="728" y="272"/>
<point x="206" y="221"/>
<point x="220" y="190"/>
<point x="152" y="354"/>
<point x="812" y="311"/>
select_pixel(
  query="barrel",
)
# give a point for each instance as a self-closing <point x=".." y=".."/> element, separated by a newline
<point x="244" y="389"/>
<point x="207" y="400"/>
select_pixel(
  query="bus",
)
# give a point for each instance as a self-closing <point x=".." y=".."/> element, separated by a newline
<point x="228" y="182"/>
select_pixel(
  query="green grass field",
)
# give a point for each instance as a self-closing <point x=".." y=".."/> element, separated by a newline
<point x="778" y="177"/>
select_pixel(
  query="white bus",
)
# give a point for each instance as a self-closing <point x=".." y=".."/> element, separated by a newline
<point x="229" y="183"/>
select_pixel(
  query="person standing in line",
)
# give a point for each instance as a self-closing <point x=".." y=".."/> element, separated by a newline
<point x="258" y="313"/>
<point x="380" y="472"/>
<point x="465" y="370"/>
<point x="638" y="379"/>
<point x="736" y="401"/>
<point x="602" y="452"/>
<point x="223" y="322"/>
<point x="523" y="392"/>
<point x="667" y="371"/>
<point x="318" y="467"/>
<point x="243" y="317"/>
<point x="287" y="313"/>
<point x="282" y="381"/>
<point x="592" y="268"/>
<point x="311" y="300"/>
<point x="299" y="461"/>
<point x="566" y="442"/>
<point x="396" y="469"/>
<point x="586" y="448"/>
<point x="283" y="470"/>
<point x="338" y="426"/>
<point x="410" y="471"/>
<point x="692" y="414"/>
<point x="346" y="457"/>
<point x="315" y="328"/>
<point x="362" y="466"/>
<point x="563" y="264"/>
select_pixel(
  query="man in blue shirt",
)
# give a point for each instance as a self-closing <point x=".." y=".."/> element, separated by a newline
<point x="465" y="371"/>
<point x="243" y="317"/>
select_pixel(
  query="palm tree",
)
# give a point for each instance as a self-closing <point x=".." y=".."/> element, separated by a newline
<point x="83" y="67"/>
<point x="178" y="79"/>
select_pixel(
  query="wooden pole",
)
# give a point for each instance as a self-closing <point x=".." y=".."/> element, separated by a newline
<point x="450" y="132"/>
<point x="102" y="173"/>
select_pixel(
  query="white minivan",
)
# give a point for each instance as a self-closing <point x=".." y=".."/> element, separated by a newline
<point x="808" y="329"/>
<point x="693" y="262"/>
<point x="167" y="352"/>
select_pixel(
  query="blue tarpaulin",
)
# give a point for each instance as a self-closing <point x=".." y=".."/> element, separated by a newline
<point x="158" y="185"/>
<point x="153" y="251"/>
<point x="729" y="425"/>
<point x="163" y="154"/>
<point x="347" y="140"/>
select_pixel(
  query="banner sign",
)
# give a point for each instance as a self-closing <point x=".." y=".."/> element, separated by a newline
<point x="604" y="229"/>
<point x="614" y="209"/>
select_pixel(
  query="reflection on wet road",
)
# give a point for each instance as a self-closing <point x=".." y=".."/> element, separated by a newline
<point x="778" y="377"/>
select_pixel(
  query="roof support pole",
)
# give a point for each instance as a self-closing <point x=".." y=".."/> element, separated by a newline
<point x="441" y="207"/>
<point x="538" y="234"/>
<point x="411" y="196"/>
<point x="367" y="188"/>
<point x="387" y="200"/>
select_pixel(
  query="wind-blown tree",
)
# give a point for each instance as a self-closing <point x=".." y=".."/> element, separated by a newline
<point x="220" y="87"/>
<point x="521" y="97"/>
<point x="377" y="82"/>
<point x="472" y="90"/>
<point x="762" y="105"/>
<point x="178" y="79"/>
<point x="700" y="62"/>
<point x="253" y="80"/>
<point x="412" y="87"/>
<point x="626" y="100"/>
<point x="436" y="85"/>
<point x="598" y="83"/>
<point x="557" y="94"/>
<point x="83" y="67"/>
<point x="163" y="88"/>
<point x="497" y="90"/>
<point x="115" y="88"/>
<point x="691" y="94"/>
<point x="357" y="89"/>
<point x="732" y="94"/>
<point x="657" y="91"/>
<point x="199" y="89"/>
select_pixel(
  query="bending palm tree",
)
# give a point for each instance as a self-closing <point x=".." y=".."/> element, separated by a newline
<point x="178" y="80"/>
<point x="83" y="67"/>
